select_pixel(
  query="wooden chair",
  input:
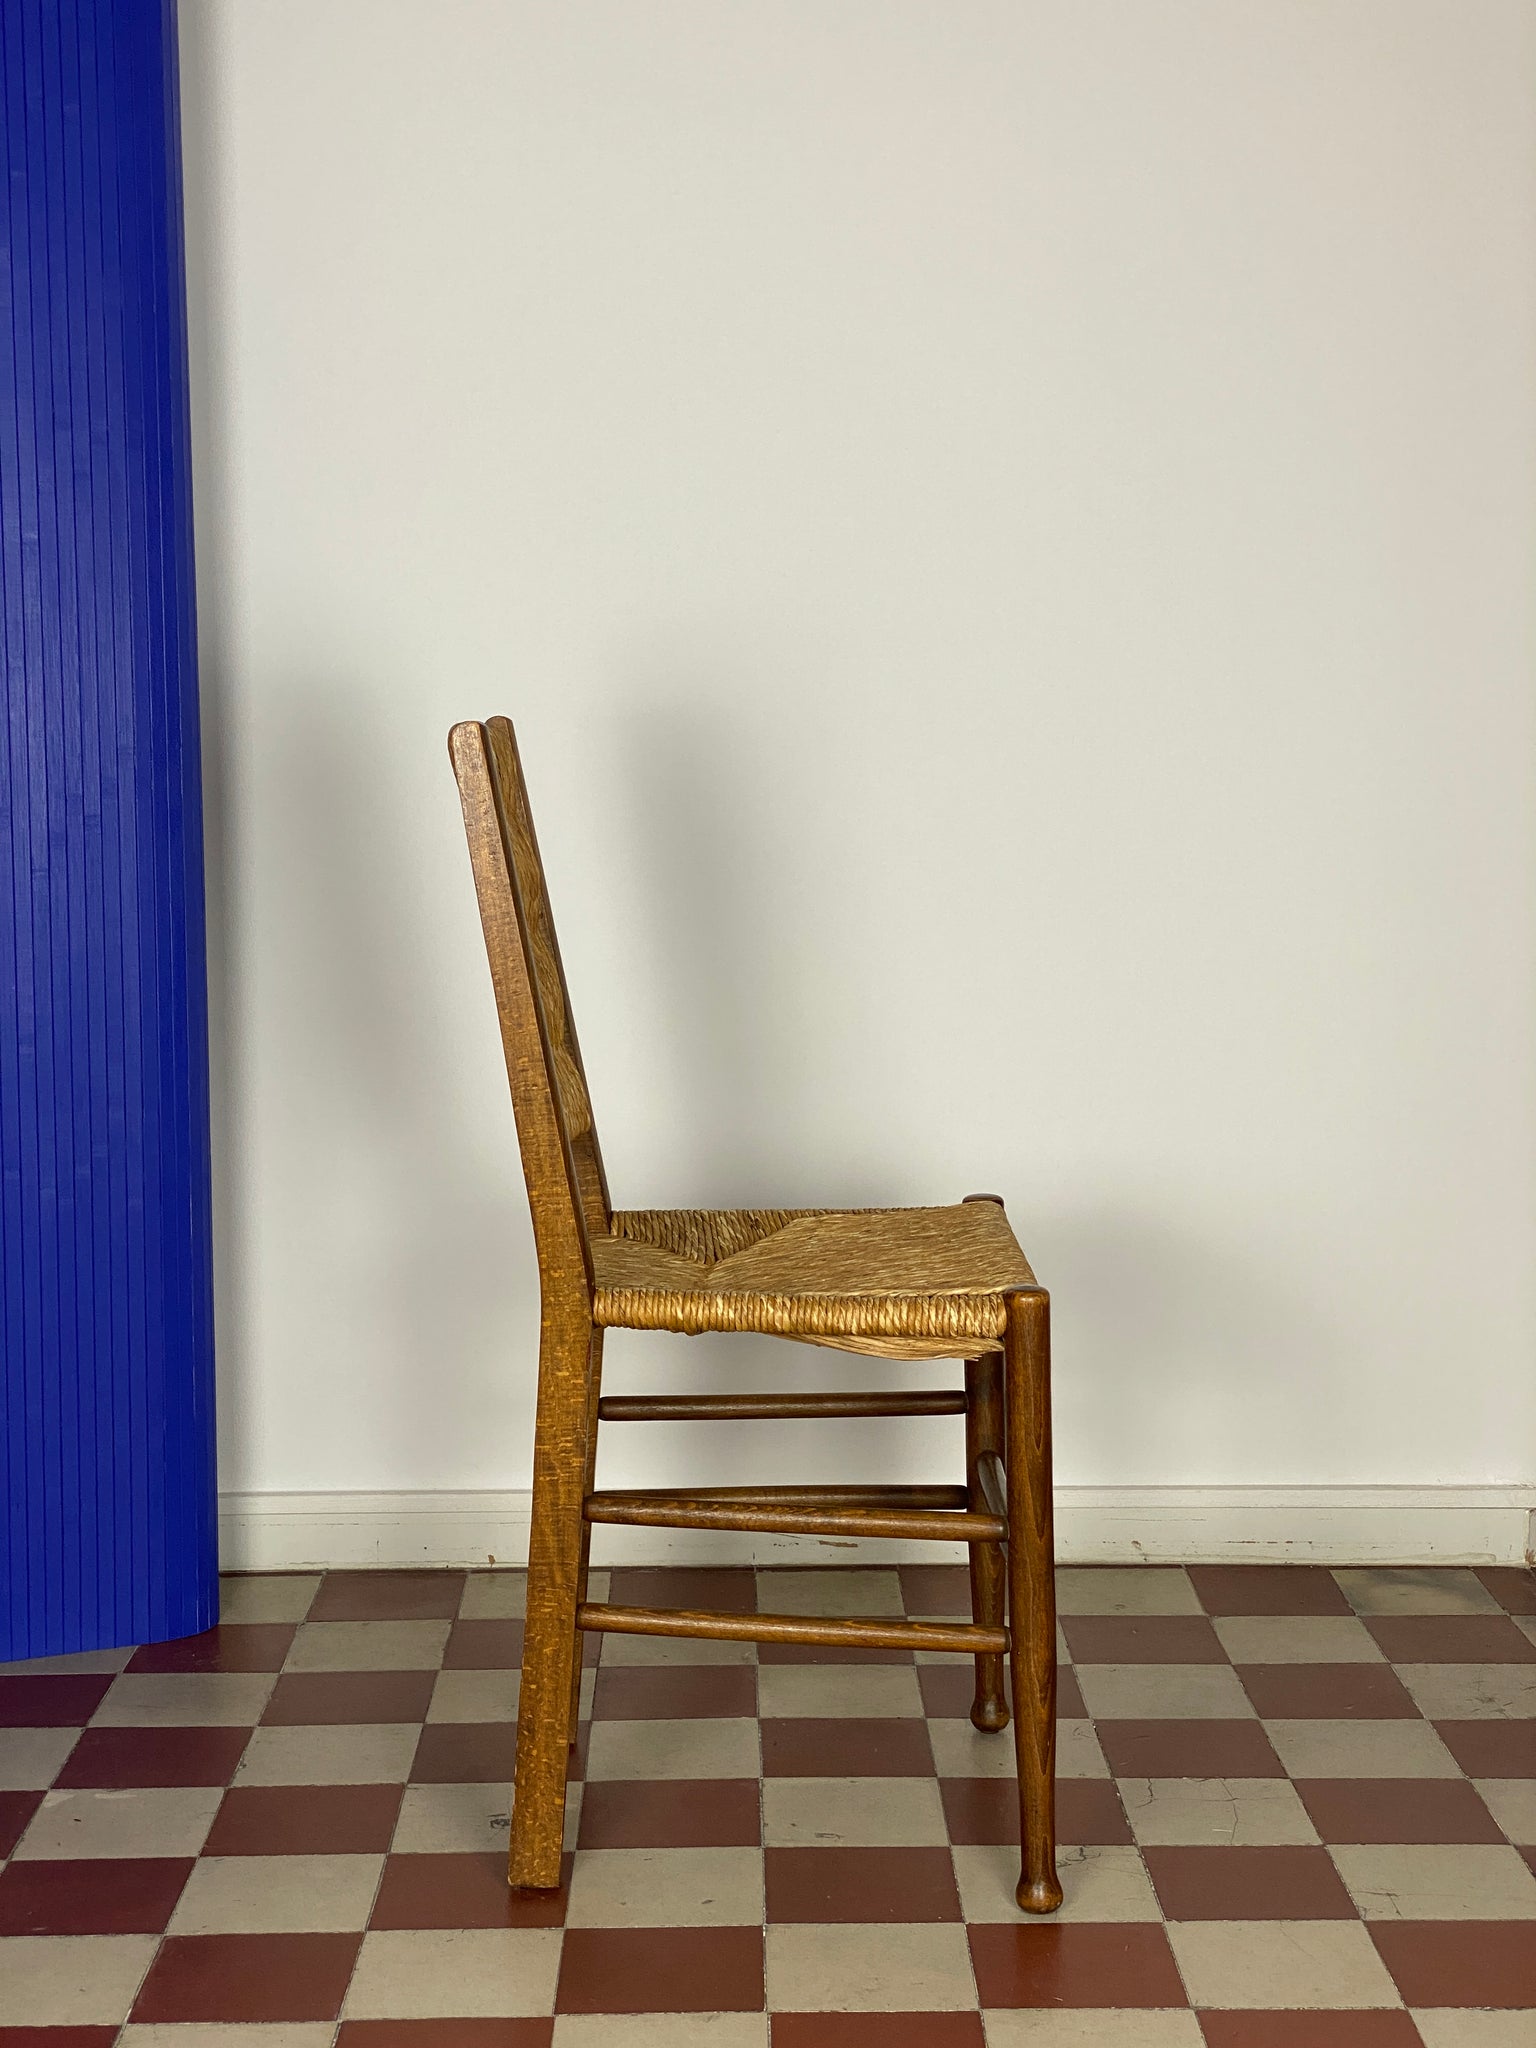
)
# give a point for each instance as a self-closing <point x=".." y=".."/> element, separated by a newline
<point x="897" y="1283"/>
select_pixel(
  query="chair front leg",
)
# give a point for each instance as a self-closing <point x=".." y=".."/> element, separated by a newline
<point x="984" y="1433"/>
<point x="551" y="1661"/>
<point x="1032" y="1590"/>
<point x="589" y="1481"/>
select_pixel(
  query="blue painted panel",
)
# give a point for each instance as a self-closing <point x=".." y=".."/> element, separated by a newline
<point x="108" y="1524"/>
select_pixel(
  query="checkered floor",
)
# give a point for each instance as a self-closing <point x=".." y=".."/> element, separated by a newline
<point x="1299" y="1809"/>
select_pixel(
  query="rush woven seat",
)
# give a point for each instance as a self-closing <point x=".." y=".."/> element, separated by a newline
<point x="944" y="1282"/>
<point x="895" y="1283"/>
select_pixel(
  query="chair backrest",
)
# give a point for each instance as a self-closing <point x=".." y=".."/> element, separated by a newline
<point x="567" y="1189"/>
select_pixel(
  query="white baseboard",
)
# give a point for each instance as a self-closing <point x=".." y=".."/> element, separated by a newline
<point x="1405" y="1525"/>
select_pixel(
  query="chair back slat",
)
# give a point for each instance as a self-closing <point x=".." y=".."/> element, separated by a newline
<point x="562" y="1162"/>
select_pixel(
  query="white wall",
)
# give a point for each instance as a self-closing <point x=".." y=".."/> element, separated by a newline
<point x="1006" y="531"/>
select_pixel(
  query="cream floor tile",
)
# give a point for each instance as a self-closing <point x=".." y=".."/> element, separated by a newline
<point x="817" y="1692"/>
<point x="163" y="1821"/>
<point x="1297" y="1639"/>
<point x="75" y="1664"/>
<point x="461" y="1973"/>
<point x="186" y="1699"/>
<point x="277" y="1895"/>
<point x="961" y="1751"/>
<point x="1437" y="1881"/>
<point x="1215" y="1812"/>
<point x="480" y="1695"/>
<point x="1361" y="1749"/>
<point x="1472" y="1692"/>
<point x="1266" y="1964"/>
<point x="673" y="1749"/>
<point x="71" y="1980"/>
<point x="666" y="1888"/>
<point x="368" y="1646"/>
<point x="1137" y="1589"/>
<point x="1389" y="1590"/>
<point x="1527" y="1623"/>
<point x="858" y="1968"/>
<point x="1099" y="1883"/>
<point x="267" y="1596"/>
<point x="290" y="2034"/>
<point x="450" y="1820"/>
<point x="1164" y="1692"/>
<point x="829" y="1592"/>
<point x="31" y="1758"/>
<point x="373" y="1753"/>
<point x="1512" y="1802"/>
<point x="856" y="1813"/>
<point x="495" y="1596"/>
<point x="1090" y="2028"/>
<point x="662" y="2030"/>
<point x="1450" y="2029"/>
<point x="626" y="1650"/>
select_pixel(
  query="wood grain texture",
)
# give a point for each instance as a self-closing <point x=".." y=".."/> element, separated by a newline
<point x="675" y="1511"/>
<point x="1032" y="1591"/>
<point x="775" y="1407"/>
<point x="857" y="1633"/>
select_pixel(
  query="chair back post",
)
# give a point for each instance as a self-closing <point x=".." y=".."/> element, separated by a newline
<point x="562" y="1164"/>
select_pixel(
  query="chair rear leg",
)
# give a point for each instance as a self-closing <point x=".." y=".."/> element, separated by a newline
<point x="551" y="1661"/>
<point x="1032" y="1591"/>
<point x="984" y="1433"/>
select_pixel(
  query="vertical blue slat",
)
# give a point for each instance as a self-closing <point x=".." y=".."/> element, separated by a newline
<point x="108" y="1524"/>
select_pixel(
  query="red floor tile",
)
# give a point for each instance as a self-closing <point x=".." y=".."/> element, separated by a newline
<point x="726" y="1591"/>
<point x="388" y="1596"/>
<point x="1397" y="1810"/>
<point x="1309" y="2030"/>
<point x="817" y="1886"/>
<point x="1038" y="1965"/>
<point x="948" y="1690"/>
<point x="1188" y="1749"/>
<point x="57" y="2037"/>
<point x="123" y="1757"/>
<point x="1142" y="1639"/>
<point x="936" y="1588"/>
<point x="661" y="1969"/>
<point x="248" y="1977"/>
<point x="305" y="1820"/>
<point x="986" y="1810"/>
<point x="466" y="1753"/>
<point x="1459" y="1962"/>
<point x="1247" y="1884"/>
<point x="462" y="1891"/>
<point x="349" y="1697"/>
<point x="445" y="2034"/>
<point x="639" y="1813"/>
<point x="1451" y="1639"/>
<point x="876" y="2029"/>
<point x="890" y="1748"/>
<point x="1267" y="1589"/>
<point x="1327" y="1692"/>
<point x="258" y="1646"/>
<point x="1514" y="1589"/>
<point x="675" y="1692"/>
<point x="107" y="1895"/>
<point x="484" y="1646"/>
<point x="61" y="1702"/>
<point x="16" y="1811"/>
<point x="1491" y="1749"/>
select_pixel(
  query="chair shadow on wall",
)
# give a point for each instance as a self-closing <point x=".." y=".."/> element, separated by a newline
<point x="395" y="1200"/>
